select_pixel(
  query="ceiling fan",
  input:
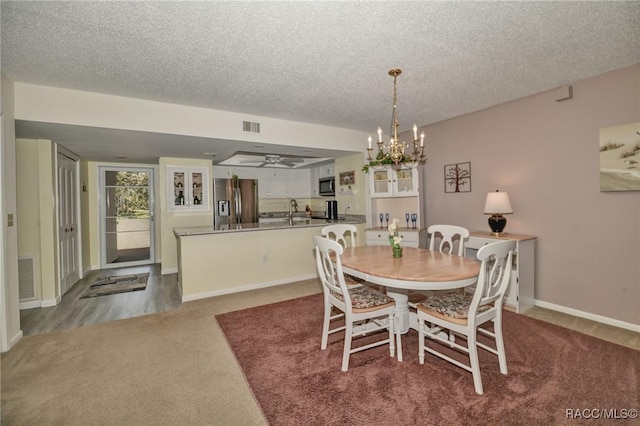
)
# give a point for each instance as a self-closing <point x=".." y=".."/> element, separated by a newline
<point x="274" y="159"/>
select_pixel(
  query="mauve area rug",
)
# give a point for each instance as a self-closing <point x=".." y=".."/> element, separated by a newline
<point x="556" y="375"/>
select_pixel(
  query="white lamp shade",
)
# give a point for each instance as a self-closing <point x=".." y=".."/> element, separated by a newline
<point x="498" y="203"/>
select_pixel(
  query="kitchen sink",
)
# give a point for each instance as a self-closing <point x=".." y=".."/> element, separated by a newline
<point x="340" y="219"/>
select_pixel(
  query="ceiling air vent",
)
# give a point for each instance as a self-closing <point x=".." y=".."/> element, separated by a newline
<point x="249" y="126"/>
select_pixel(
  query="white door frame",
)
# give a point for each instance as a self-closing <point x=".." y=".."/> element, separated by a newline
<point x="4" y="327"/>
<point x="101" y="213"/>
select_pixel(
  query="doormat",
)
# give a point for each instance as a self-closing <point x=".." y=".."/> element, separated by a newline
<point x="116" y="284"/>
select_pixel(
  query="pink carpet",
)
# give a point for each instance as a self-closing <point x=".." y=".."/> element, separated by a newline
<point x="551" y="370"/>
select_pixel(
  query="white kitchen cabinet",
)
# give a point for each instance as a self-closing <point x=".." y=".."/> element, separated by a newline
<point x="296" y="183"/>
<point x="410" y="237"/>
<point x="380" y="182"/>
<point x="227" y="172"/>
<point x="314" y="176"/>
<point x="520" y="295"/>
<point x="283" y="183"/>
<point x="327" y="170"/>
<point x="187" y="188"/>
<point x="386" y="181"/>
<point x="271" y="183"/>
<point x="396" y="193"/>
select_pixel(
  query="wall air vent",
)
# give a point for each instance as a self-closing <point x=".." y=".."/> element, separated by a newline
<point x="249" y="126"/>
<point x="26" y="281"/>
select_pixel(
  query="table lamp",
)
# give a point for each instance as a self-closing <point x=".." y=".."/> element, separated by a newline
<point x="496" y="205"/>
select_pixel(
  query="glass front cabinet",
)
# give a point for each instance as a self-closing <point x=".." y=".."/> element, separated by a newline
<point x="187" y="188"/>
<point x="390" y="182"/>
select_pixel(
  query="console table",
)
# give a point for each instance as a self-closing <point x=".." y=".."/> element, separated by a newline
<point x="520" y="296"/>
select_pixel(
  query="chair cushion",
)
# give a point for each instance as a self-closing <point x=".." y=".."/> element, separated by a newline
<point x="366" y="298"/>
<point x="452" y="305"/>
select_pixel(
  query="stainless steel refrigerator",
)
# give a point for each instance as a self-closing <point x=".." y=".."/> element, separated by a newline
<point x="235" y="201"/>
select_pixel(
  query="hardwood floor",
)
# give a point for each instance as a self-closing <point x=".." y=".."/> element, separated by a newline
<point x="161" y="295"/>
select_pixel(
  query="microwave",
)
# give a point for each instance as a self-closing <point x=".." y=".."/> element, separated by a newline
<point x="327" y="186"/>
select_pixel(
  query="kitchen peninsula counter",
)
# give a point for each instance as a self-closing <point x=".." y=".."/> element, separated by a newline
<point x="213" y="261"/>
<point x="269" y="226"/>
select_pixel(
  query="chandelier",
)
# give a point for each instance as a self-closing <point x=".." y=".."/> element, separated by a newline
<point x="397" y="152"/>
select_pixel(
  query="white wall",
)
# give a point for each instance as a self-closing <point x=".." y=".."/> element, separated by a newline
<point x="9" y="297"/>
<point x="36" y="208"/>
<point x="545" y="154"/>
<point x="357" y="196"/>
<point x="55" y="105"/>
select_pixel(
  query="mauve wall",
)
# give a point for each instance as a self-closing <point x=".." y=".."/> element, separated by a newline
<point x="545" y="154"/>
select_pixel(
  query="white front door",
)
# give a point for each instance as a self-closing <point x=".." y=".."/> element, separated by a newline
<point x="67" y="223"/>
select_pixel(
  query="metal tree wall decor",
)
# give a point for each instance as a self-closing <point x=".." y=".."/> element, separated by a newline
<point x="457" y="177"/>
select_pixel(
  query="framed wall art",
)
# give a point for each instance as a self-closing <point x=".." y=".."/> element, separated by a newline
<point x="457" y="177"/>
<point x="620" y="158"/>
<point x="347" y="178"/>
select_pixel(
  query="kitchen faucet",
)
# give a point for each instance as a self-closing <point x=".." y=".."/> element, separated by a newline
<point x="346" y="209"/>
<point x="293" y="203"/>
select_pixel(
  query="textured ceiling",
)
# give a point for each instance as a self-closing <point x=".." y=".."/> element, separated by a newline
<point x="318" y="62"/>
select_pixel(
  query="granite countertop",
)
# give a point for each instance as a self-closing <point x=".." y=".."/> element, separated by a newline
<point x="299" y="222"/>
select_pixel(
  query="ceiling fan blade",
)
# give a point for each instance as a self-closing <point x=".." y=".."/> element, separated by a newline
<point x="293" y="159"/>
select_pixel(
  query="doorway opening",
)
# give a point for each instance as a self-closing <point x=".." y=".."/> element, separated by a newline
<point x="127" y="213"/>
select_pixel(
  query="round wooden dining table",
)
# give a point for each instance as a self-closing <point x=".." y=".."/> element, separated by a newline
<point x="417" y="269"/>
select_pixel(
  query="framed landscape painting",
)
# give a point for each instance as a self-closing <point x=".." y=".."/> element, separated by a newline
<point x="620" y="158"/>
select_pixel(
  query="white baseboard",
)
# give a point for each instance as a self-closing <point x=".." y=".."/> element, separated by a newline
<point x="246" y="287"/>
<point x="30" y="304"/>
<point x="15" y="339"/>
<point x="50" y="302"/>
<point x="168" y="271"/>
<point x="40" y="303"/>
<point x="588" y="315"/>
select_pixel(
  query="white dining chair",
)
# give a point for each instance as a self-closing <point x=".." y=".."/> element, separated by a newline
<point x="442" y="238"/>
<point x="463" y="313"/>
<point x="448" y="236"/>
<point x="366" y="310"/>
<point x="343" y="233"/>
